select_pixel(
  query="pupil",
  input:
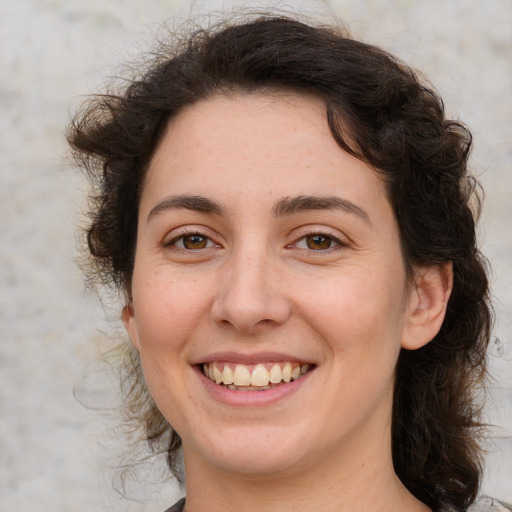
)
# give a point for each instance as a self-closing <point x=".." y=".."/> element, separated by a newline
<point x="318" y="242"/>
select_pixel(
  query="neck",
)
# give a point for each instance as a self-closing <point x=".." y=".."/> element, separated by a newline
<point x="360" y="480"/>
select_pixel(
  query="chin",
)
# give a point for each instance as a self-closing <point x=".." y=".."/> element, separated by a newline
<point x="258" y="465"/>
<point x="259" y="453"/>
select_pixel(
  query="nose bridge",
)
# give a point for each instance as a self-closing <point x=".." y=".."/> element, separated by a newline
<point x="250" y="295"/>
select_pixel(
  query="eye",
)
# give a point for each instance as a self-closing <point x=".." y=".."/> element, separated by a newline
<point x="191" y="242"/>
<point x="317" y="242"/>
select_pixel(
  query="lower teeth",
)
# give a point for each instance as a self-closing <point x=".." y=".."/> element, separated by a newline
<point x="250" y="388"/>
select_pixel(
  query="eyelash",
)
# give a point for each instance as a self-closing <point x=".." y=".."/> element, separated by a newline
<point x="339" y="244"/>
<point x="189" y="233"/>
<point x="303" y="236"/>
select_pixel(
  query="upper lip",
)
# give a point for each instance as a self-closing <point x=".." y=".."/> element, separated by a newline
<point x="254" y="358"/>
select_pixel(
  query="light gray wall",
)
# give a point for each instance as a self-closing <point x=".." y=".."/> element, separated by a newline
<point x="54" y="453"/>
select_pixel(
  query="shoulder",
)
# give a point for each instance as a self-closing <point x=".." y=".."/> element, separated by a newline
<point x="483" y="504"/>
<point x="487" y="504"/>
<point x="178" y="506"/>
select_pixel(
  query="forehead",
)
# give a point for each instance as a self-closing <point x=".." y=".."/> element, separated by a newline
<point x="250" y="146"/>
<point x="263" y="124"/>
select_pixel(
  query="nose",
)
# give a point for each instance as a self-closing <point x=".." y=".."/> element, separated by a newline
<point x="250" y="297"/>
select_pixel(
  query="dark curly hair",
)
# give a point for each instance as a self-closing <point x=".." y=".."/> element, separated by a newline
<point x="379" y="111"/>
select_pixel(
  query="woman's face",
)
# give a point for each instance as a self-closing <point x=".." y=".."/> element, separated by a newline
<point x="267" y="255"/>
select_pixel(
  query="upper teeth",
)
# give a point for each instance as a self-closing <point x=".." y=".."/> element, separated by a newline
<point x="258" y="375"/>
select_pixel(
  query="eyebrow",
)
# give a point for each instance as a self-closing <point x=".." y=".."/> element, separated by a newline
<point x="195" y="203"/>
<point x="292" y="205"/>
<point x="283" y="207"/>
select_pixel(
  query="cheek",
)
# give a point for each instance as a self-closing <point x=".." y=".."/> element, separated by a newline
<point x="167" y="310"/>
<point x="359" y="312"/>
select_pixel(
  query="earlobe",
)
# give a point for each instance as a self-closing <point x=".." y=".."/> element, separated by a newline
<point x="130" y="324"/>
<point x="427" y="307"/>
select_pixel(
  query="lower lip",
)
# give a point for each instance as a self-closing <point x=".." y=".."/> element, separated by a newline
<point x="251" y="398"/>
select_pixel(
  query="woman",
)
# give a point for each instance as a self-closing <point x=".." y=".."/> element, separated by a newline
<point x="289" y="217"/>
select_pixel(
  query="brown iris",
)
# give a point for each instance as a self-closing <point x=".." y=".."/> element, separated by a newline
<point x="195" y="241"/>
<point x="318" y="242"/>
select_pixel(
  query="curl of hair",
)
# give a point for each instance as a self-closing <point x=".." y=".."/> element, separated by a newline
<point x="379" y="111"/>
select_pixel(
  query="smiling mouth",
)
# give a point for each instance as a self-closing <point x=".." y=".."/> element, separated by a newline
<point x="254" y="377"/>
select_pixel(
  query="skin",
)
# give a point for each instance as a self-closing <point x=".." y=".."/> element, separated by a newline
<point x="260" y="287"/>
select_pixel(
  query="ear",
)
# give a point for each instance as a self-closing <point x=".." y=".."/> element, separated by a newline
<point x="428" y="300"/>
<point x="130" y="324"/>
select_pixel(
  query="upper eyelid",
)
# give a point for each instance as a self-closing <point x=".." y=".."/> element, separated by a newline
<point x="181" y="232"/>
<point x="333" y="233"/>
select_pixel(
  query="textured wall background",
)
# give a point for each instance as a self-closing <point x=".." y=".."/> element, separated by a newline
<point x="54" y="453"/>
